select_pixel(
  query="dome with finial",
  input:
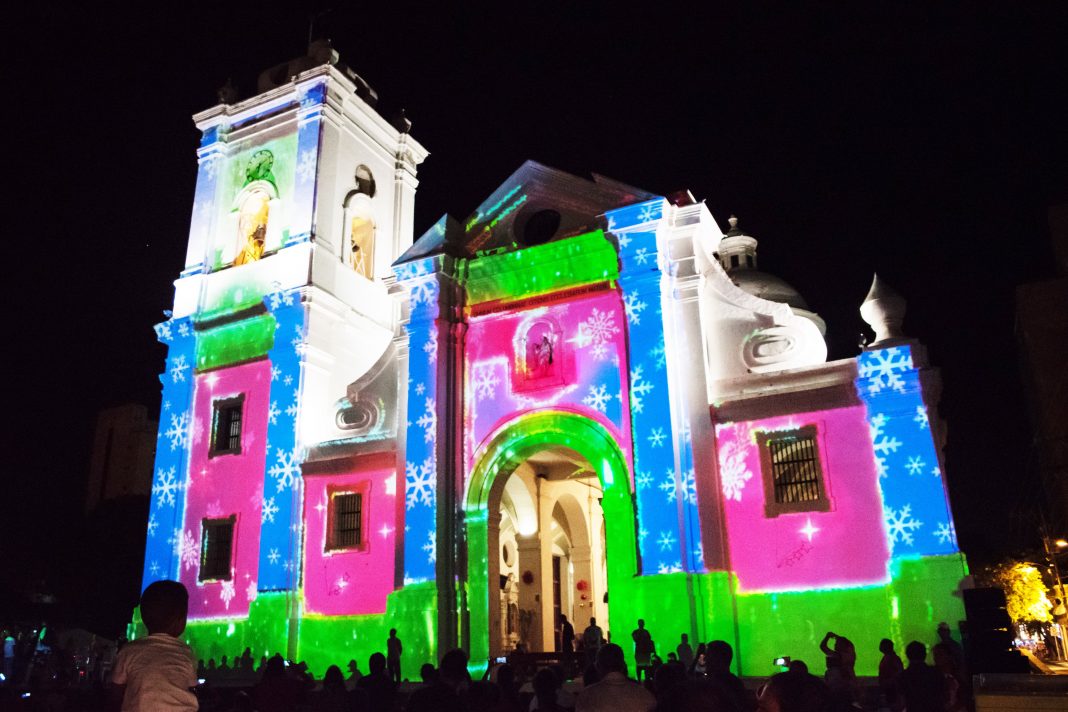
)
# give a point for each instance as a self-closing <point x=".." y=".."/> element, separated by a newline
<point x="738" y="255"/>
<point x="884" y="311"/>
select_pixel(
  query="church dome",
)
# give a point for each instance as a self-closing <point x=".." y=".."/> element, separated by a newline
<point x="737" y="254"/>
<point x="767" y="286"/>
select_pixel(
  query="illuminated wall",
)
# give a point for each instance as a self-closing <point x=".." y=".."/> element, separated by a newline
<point x="844" y="546"/>
<point x="351" y="581"/>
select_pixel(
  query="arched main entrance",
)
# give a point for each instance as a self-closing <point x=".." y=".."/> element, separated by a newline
<point x="514" y="443"/>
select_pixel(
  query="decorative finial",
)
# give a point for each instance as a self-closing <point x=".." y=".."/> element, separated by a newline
<point x="733" y="220"/>
<point x="884" y="311"/>
<point x="227" y="94"/>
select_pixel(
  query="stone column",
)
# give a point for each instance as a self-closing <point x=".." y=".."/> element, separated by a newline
<point x="583" y="608"/>
<point x="530" y="598"/>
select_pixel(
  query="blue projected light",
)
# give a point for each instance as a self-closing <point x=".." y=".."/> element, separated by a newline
<point x="660" y="491"/>
<point x="420" y="502"/>
<point x="282" y="481"/>
<point x="167" y="506"/>
<point x="915" y="506"/>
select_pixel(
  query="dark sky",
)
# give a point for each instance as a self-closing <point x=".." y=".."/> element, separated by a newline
<point x="921" y="142"/>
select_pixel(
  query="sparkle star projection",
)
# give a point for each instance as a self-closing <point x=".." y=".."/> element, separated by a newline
<point x="584" y="399"/>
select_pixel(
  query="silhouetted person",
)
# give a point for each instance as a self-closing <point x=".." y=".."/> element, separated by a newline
<point x="157" y="672"/>
<point x="643" y="650"/>
<point x="592" y="639"/>
<point x="334" y="697"/>
<point x="718" y="657"/>
<point x="890" y="668"/>
<point x="945" y="637"/>
<point x="685" y="652"/>
<point x="509" y="689"/>
<point x="841" y="674"/>
<point x="377" y="684"/>
<point x="615" y="692"/>
<point x="393" y="655"/>
<point x="545" y="691"/>
<point x="563" y="698"/>
<point x="700" y="664"/>
<point x="276" y="691"/>
<point x="354" y="671"/>
<point x="956" y="692"/>
<point x="428" y="673"/>
<point x="443" y="691"/>
<point x="794" y="691"/>
<point x="920" y="683"/>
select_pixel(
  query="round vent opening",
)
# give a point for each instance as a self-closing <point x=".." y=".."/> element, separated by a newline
<point x="540" y="227"/>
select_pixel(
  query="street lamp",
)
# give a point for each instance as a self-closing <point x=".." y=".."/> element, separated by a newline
<point x="1053" y="547"/>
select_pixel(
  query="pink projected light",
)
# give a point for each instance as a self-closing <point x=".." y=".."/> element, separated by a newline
<point x="355" y="578"/>
<point x="562" y="356"/>
<point x="224" y="486"/>
<point x="843" y="546"/>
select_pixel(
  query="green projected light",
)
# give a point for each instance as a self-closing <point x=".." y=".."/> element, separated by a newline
<point x="514" y="443"/>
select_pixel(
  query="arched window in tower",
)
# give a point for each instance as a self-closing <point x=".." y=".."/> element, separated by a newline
<point x="252" y="210"/>
<point x="359" y="228"/>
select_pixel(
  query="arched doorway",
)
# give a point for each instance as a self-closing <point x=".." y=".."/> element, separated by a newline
<point x="529" y="441"/>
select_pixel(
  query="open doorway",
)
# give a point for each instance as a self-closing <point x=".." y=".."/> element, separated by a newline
<point x="549" y="536"/>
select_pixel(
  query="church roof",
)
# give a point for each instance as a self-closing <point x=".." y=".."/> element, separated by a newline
<point x="535" y="205"/>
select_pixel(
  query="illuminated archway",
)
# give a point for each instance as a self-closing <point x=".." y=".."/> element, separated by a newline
<point x="513" y="443"/>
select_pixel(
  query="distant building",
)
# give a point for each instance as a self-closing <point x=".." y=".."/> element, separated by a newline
<point x="1042" y="332"/>
<point x="583" y="399"/>
<point x="124" y="446"/>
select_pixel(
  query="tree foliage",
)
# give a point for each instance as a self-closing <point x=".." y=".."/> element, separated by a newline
<point x="1025" y="591"/>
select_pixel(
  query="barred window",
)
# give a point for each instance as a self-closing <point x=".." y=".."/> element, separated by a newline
<point x="793" y="476"/>
<point x="216" y="549"/>
<point x="347" y="515"/>
<point x="226" y="426"/>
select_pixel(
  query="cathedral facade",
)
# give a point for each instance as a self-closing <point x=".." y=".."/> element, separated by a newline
<point x="585" y="400"/>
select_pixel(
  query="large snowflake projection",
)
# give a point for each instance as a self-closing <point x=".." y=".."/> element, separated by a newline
<point x="226" y="592"/>
<point x="484" y="380"/>
<point x="665" y="568"/>
<point x="597" y="332"/>
<point x="734" y="470"/>
<point x="639" y="388"/>
<point x="163" y="331"/>
<point x="273" y="412"/>
<point x="900" y="525"/>
<point x="656" y="437"/>
<point x="598" y="398"/>
<point x="884" y="369"/>
<point x="178" y="368"/>
<point x="285" y="471"/>
<point x="882" y="443"/>
<point x="428" y="421"/>
<point x="946" y="533"/>
<point x="250" y="590"/>
<point x="269" y="510"/>
<point x="668" y="486"/>
<point x="422" y="292"/>
<point x="915" y="465"/>
<point x="419" y="483"/>
<point x="273" y="556"/>
<point x="666" y="541"/>
<point x="178" y="432"/>
<point x="306" y="166"/>
<point x="634" y="308"/>
<point x="430" y="347"/>
<point x="642" y="255"/>
<point x="165" y="487"/>
<point x="153" y="525"/>
<point x="183" y="328"/>
<point x="431" y="546"/>
<point x="187" y="549"/>
<point x="643" y="480"/>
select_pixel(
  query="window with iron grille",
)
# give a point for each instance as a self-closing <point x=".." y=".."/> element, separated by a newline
<point x="793" y="477"/>
<point x="226" y="426"/>
<point x="216" y="549"/>
<point x="346" y="520"/>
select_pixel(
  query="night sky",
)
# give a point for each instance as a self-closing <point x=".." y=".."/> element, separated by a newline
<point x="921" y="143"/>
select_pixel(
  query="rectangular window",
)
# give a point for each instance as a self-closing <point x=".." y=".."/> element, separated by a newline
<point x="793" y="477"/>
<point x="348" y="515"/>
<point x="226" y="426"/>
<point x="216" y="549"/>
